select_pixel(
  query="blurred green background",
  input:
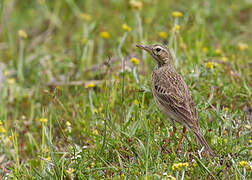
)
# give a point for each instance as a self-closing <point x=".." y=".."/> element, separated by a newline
<point x="70" y="110"/>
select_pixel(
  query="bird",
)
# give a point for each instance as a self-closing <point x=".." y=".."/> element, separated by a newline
<point x="172" y="95"/>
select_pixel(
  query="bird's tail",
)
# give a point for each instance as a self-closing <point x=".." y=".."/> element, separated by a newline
<point x="203" y="142"/>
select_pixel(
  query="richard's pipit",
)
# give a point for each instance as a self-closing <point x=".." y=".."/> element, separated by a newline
<point x="172" y="96"/>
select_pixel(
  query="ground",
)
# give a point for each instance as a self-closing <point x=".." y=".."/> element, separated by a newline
<point x="70" y="109"/>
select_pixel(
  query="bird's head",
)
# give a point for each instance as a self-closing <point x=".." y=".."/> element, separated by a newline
<point x="159" y="52"/>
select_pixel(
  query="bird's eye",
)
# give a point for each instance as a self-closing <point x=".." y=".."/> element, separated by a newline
<point x="158" y="49"/>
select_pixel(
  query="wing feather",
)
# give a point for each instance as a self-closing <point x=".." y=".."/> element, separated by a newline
<point x="173" y="95"/>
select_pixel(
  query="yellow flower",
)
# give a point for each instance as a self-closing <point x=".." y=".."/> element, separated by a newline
<point x="43" y="120"/>
<point x="41" y="2"/>
<point x="226" y="109"/>
<point x="247" y="126"/>
<point x="2" y="129"/>
<point x="183" y="46"/>
<point x="224" y="132"/>
<point x="250" y="141"/>
<point x="10" y="138"/>
<point x="176" y="28"/>
<point x="104" y="35"/>
<point x="126" y="27"/>
<point x="224" y="58"/>
<point x="137" y="5"/>
<point x="83" y="41"/>
<point x="195" y="164"/>
<point x="22" y="34"/>
<point x="85" y="17"/>
<point x="136" y="102"/>
<point x="245" y="164"/>
<point x="162" y="34"/>
<point x="242" y="46"/>
<point x="170" y="177"/>
<point x="209" y="65"/>
<point x="92" y="164"/>
<point x="96" y="132"/>
<point x="48" y="158"/>
<point x="6" y="73"/>
<point x="90" y="85"/>
<point x="177" y="14"/>
<point x="186" y="164"/>
<point x="178" y="166"/>
<point x="95" y="110"/>
<point x="134" y="61"/>
<point x="70" y="171"/>
<point x="204" y="49"/>
<point x="68" y="123"/>
<point x="1" y="123"/>
<point x="218" y="51"/>
<point x="11" y="81"/>
<point x="147" y="20"/>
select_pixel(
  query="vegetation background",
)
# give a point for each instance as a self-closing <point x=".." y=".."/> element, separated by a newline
<point x="75" y="91"/>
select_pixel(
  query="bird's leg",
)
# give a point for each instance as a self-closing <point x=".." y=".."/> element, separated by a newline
<point x="180" y="140"/>
<point x="170" y="136"/>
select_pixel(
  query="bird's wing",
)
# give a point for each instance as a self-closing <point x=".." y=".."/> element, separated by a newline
<point x="172" y="93"/>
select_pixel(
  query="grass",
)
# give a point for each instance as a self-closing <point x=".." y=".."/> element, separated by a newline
<point x="64" y="118"/>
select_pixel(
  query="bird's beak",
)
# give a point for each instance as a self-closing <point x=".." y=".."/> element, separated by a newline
<point x="146" y="48"/>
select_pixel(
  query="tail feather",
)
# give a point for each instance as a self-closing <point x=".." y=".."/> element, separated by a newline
<point x="203" y="142"/>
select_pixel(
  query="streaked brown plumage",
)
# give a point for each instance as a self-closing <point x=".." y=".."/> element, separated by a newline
<point x="171" y="93"/>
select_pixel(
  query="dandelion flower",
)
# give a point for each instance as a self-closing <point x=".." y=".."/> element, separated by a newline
<point x="43" y="120"/>
<point x="70" y="171"/>
<point x="136" y="102"/>
<point x="92" y="164"/>
<point x="95" y="110"/>
<point x="96" y="132"/>
<point x="126" y="27"/>
<point x="224" y="58"/>
<point x="204" y="49"/>
<point x="183" y="46"/>
<point x="85" y="17"/>
<point x="41" y="2"/>
<point x="209" y="65"/>
<point x="134" y="61"/>
<point x="2" y="129"/>
<point x="162" y="34"/>
<point x="224" y="132"/>
<point x="218" y="51"/>
<point x="6" y="73"/>
<point x="177" y="14"/>
<point x="68" y="123"/>
<point x="245" y="165"/>
<point x="247" y="126"/>
<point x="104" y="35"/>
<point x="83" y="41"/>
<point x="176" y="28"/>
<point x="178" y="166"/>
<point x="10" y="138"/>
<point x="137" y="5"/>
<point x="250" y="141"/>
<point x="90" y="85"/>
<point x="22" y="34"/>
<point x="195" y="164"/>
<point x="186" y="164"/>
<point x="169" y="177"/>
<point x="242" y="46"/>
